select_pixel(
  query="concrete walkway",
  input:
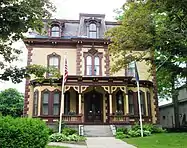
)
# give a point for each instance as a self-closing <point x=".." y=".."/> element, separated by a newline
<point x="106" y="142"/>
<point x="97" y="142"/>
<point x="67" y="145"/>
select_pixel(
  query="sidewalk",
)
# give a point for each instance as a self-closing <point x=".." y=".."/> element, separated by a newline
<point x="67" y="145"/>
<point x="97" y="142"/>
<point x="106" y="142"/>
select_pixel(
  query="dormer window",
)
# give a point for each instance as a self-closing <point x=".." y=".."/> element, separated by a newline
<point x="55" y="31"/>
<point x="92" y="30"/>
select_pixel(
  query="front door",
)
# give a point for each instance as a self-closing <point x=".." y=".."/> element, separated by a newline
<point x="93" y="107"/>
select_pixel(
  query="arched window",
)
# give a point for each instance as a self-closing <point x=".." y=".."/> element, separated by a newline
<point x="56" y="103"/>
<point x="119" y="102"/>
<point x="45" y="102"/>
<point x="89" y="65"/>
<point x="96" y="66"/>
<point x="55" y="31"/>
<point x="54" y="62"/>
<point x="92" y="30"/>
<point x="35" y="103"/>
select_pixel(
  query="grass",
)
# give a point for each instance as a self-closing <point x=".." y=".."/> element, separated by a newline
<point x="56" y="147"/>
<point x="164" y="140"/>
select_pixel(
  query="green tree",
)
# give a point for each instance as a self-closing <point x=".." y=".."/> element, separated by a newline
<point x="17" y="17"/>
<point x="11" y="103"/>
<point x="160" y="27"/>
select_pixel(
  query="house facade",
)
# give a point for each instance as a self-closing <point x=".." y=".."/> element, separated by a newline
<point x="93" y="95"/>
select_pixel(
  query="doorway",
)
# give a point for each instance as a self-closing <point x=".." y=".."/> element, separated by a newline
<point x="93" y="107"/>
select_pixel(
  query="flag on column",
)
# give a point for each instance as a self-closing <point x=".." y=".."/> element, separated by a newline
<point x="65" y="76"/>
<point x="136" y="72"/>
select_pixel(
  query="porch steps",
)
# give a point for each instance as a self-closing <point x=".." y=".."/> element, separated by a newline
<point x="97" y="131"/>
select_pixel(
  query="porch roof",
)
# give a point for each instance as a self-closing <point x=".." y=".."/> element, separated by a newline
<point x="95" y="81"/>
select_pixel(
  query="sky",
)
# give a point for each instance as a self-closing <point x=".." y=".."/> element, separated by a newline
<point x="67" y="9"/>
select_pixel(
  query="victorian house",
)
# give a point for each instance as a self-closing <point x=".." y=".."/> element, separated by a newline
<point x="92" y="95"/>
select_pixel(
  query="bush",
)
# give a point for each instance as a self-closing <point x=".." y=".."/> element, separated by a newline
<point x="158" y="130"/>
<point x="149" y="127"/>
<point x="134" y="133"/>
<point x="69" y="131"/>
<point x="146" y="133"/>
<point x="122" y="129"/>
<point x="23" y="133"/>
<point x="57" y="137"/>
<point x="121" y="135"/>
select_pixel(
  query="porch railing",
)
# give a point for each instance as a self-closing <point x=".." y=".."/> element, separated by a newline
<point x="72" y="118"/>
<point x="119" y="119"/>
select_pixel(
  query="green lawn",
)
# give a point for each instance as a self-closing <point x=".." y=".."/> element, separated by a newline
<point x="164" y="140"/>
<point x="55" y="147"/>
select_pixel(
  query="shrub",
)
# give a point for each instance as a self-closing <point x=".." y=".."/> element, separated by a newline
<point x="158" y="130"/>
<point x="69" y="131"/>
<point x="122" y="129"/>
<point x="58" y="137"/>
<point x="148" y="127"/>
<point x="23" y="133"/>
<point x="146" y="133"/>
<point x="121" y="135"/>
<point x="134" y="133"/>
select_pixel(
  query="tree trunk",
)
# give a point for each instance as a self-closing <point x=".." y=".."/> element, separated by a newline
<point x="175" y="103"/>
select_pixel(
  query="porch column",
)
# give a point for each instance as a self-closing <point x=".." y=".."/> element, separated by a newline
<point x="80" y="96"/>
<point x="110" y="103"/>
<point x="127" y="103"/>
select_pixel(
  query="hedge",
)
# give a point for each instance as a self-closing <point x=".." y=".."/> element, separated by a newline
<point x="23" y="133"/>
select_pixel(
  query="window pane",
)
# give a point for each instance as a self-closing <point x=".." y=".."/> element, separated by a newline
<point x="89" y="70"/>
<point x="130" y="99"/>
<point x="93" y="27"/>
<point x="93" y="34"/>
<point x="96" y="61"/>
<point x="45" y="109"/>
<point x="131" y="65"/>
<point x="45" y="98"/>
<point x="53" y="61"/>
<point x="35" y="110"/>
<point x="96" y="70"/>
<point x="142" y="98"/>
<point x="55" y="28"/>
<point x="56" y="98"/>
<point x="89" y="60"/>
<point x="131" y="109"/>
<point x="131" y="72"/>
<point x="56" y="109"/>
<point x="55" y="34"/>
<point x="35" y="97"/>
